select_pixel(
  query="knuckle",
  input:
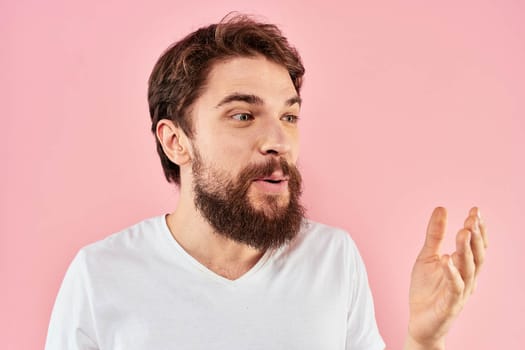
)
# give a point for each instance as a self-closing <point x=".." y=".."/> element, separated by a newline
<point x="480" y="261"/>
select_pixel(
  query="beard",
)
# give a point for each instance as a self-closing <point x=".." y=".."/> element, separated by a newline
<point x="225" y="204"/>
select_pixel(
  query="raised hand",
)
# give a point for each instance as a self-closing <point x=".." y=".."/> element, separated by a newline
<point x="441" y="284"/>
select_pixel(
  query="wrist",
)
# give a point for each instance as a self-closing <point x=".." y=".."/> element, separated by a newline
<point x="412" y="344"/>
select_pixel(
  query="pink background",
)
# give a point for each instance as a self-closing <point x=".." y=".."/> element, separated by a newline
<point x="408" y="105"/>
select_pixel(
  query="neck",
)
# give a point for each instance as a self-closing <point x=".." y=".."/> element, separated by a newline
<point x="219" y="254"/>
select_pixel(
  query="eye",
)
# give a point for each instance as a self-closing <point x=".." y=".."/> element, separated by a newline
<point x="290" y="118"/>
<point x="243" y="117"/>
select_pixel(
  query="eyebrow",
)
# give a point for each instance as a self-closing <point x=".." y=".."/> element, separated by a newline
<point x="253" y="99"/>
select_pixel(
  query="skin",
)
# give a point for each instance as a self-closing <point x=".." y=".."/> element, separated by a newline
<point x="232" y="132"/>
<point x="442" y="283"/>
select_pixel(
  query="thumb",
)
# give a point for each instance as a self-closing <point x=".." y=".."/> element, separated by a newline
<point x="435" y="233"/>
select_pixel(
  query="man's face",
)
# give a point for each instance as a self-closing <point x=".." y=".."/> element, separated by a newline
<point x="245" y="148"/>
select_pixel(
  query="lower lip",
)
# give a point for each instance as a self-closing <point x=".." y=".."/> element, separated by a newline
<point x="265" y="186"/>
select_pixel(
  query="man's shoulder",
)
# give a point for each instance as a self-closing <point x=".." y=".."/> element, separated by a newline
<point x="319" y="231"/>
<point x="140" y="236"/>
<point x="316" y="236"/>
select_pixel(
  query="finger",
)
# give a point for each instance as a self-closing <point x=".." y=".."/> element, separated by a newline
<point x="476" y="243"/>
<point x="455" y="286"/>
<point x="483" y="230"/>
<point x="464" y="260"/>
<point x="435" y="233"/>
<point x="483" y="227"/>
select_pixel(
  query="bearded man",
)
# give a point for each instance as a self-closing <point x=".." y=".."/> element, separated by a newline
<point x="237" y="265"/>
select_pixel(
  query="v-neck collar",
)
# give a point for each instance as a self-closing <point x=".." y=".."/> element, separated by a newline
<point x="166" y="233"/>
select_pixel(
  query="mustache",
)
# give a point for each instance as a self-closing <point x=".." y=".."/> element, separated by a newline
<point x="266" y="169"/>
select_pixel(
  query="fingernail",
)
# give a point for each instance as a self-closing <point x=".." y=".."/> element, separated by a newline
<point x="478" y="213"/>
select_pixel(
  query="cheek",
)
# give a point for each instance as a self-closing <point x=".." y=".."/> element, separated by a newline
<point x="228" y="152"/>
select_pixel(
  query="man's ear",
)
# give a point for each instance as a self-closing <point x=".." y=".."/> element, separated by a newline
<point x="174" y="141"/>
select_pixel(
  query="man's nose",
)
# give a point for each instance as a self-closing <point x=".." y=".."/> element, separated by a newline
<point x="274" y="140"/>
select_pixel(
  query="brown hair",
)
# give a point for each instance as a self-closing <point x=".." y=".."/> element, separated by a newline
<point x="180" y="74"/>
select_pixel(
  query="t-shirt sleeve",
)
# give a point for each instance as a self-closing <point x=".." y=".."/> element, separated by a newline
<point x="362" y="332"/>
<point x="72" y="325"/>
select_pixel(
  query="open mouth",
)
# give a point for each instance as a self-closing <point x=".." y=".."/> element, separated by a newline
<point x="272" y="184"/>
<point x="273" y="181"/>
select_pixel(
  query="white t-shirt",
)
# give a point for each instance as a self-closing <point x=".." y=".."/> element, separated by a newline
<point x="139" y="289"/>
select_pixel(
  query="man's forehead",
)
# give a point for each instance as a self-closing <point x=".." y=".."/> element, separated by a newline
<point x="252" y="79"/>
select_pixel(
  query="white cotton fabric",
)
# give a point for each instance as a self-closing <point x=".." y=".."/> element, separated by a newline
<point x="139" y="289"/>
